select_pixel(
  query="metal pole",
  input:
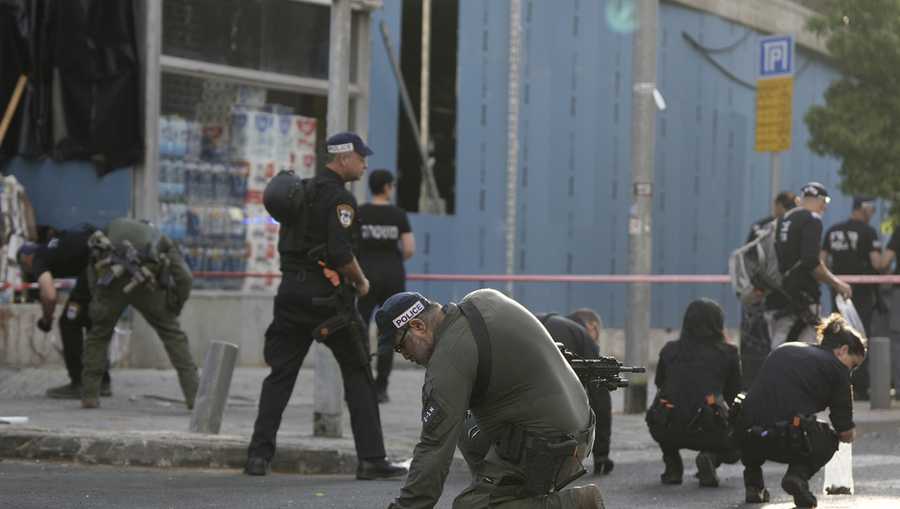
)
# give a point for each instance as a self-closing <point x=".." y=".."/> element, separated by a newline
<point x="512" y="137"/>
<point x="775" y="172"/>
<point x="145" y="187"/>
<point x="433" y="203"/>
<point x="424" y="98"/>
<point x="643" y="125"/>
<point x="880" y="373"/>
<point x="328" y="390"/>
<point x="215" y="383"/>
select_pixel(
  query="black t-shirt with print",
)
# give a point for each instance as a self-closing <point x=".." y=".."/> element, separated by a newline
<point x="380" y="229"/>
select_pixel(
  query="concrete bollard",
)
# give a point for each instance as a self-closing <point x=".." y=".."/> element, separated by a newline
<point x="215" y="383"/>
<point x="880" y="373"/>
<point x="327" y="394"/>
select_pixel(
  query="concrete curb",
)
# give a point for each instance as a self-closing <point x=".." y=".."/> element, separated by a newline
<point x="164" y="449"/>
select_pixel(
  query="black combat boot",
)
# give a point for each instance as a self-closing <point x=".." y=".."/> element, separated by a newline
<point x="674" y="469"/>
<point x="67" y="391"/>
<point x="798" y="487"/>
<point x="378" y="469"/>
<point x="257" y="466"/>
<point x="603" y="465"/>
<point x="706" y="469"/>
<point x="756" y="495"/>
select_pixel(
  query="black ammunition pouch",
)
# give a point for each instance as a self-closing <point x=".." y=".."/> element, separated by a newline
<point x="709" y="418"/>
<point x="548" y="463"/>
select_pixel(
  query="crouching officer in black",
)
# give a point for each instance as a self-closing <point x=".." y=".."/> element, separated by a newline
<point x="528" y="425"/>
<point x="778" y="422"/>
<point x="580" y="341"/>
<point x="66" y="255"/>
<point x="317" y="264"/>
<point x="695" y="378"/>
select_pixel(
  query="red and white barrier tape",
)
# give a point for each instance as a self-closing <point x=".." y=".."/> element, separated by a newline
<point x="59" y="283"/>
<point x="566" y="278"/>
<point x="515" y="278"/>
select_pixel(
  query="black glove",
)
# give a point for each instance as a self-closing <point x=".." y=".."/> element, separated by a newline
<point x="44" y="324"/>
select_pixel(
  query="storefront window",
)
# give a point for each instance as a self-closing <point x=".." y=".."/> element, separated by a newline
<point x="281" y="36"/>
<point x="220" y="143"/>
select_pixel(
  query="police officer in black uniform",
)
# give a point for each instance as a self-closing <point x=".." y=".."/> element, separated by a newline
<point x="66" y="255"/>
<point x="793" y="313"/>
<point x="890" y="256"/>
<point x="576" y="339"/>
<point x="853" y="247"/>
<point x="777" y="421"/>
<point x="386" y="240"/>
<point x="311" y="264"/>
<point x="755" y="341"/>
<point x="697" y="377"/>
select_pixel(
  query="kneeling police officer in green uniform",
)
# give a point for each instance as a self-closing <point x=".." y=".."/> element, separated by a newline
<point x="134" y="264"/>
<point x="528" y="425"/>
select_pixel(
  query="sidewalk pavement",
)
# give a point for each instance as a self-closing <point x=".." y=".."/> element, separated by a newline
<point x="145" y="424"/>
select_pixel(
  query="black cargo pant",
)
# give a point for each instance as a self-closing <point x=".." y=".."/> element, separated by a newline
<point x="601" y="403"/>
<point x="385" y="278"/>
<point x="823" y="443"/>
<point x="755" y="341"/>
<point x="672" y="439"/>
<point x="74" y="321"/>
<point x="288" y="339"/>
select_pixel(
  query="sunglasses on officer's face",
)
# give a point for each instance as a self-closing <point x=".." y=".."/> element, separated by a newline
<point x="399" y="344"/>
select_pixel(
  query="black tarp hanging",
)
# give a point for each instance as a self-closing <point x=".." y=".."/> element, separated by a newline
<point x="82" y="101"/>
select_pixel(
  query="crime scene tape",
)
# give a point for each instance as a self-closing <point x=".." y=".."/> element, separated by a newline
<point x="567" y="278"/>
<point x="514" y="278"/>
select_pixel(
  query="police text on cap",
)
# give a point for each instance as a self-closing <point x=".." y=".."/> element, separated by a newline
<point x="413" y="311"/>
<point x="340" y="149"/>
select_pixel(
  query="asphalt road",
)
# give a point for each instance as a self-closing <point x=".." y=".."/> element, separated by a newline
<point x="633" y="484"/>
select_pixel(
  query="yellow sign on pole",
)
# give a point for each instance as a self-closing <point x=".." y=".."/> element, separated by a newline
<point x="774" y="99"/>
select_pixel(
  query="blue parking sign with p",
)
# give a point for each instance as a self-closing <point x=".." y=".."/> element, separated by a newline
<point x="776" y="56"/>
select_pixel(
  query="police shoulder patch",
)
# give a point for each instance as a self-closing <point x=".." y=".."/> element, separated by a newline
<point x="432" y="415"/>
<point x="345" y="215"/>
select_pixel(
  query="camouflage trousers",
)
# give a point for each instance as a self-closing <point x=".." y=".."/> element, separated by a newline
<point x="107" y="305"/>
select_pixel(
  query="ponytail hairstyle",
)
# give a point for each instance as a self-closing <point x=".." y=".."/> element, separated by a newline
<point x="835" y="332"/>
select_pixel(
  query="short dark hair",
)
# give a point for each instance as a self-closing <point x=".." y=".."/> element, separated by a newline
<point x="583" y="316"/>
<point x="378" y="179"/>
<point x="835" y="332"/>
<point x="786" y="199"/>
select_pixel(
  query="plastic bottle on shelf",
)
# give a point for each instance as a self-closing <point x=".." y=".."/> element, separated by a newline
<point x="165" y="136"/>
<point x="165" y="171"/>
<point x="221" y="184"/>
<point x="177" y="181"/>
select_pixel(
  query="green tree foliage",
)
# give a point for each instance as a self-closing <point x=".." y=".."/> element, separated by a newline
<point x="860" y="121"/>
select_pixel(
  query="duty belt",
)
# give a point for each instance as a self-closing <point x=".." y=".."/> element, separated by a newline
<point x="548" y="462"/>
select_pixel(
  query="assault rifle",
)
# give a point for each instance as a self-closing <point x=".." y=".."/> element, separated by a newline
<point x="603" y="372"/>
<point x="343" y="301"/>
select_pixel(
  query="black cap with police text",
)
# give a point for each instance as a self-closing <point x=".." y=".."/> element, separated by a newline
<point x="863" y="201"/>
<point x="395" y="313"/>
<point x="342" y="143"/>
<point x="815" y="190"/>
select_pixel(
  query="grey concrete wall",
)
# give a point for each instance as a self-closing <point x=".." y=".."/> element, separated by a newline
<point x="773" y="16"/>
<point x="208" y="316"/>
